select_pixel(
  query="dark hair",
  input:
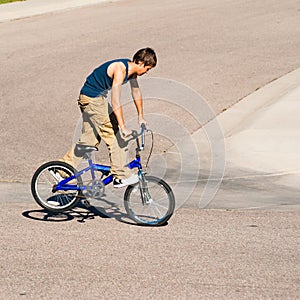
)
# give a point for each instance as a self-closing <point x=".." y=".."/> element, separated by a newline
<point x="146" y="56"/>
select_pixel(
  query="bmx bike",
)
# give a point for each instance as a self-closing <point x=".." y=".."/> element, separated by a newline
<point x="151" y="201"/>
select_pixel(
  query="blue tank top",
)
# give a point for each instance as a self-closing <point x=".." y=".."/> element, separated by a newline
<point x="99" y="83"/>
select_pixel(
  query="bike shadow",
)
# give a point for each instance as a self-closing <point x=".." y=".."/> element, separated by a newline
<point x="81" y="213"/>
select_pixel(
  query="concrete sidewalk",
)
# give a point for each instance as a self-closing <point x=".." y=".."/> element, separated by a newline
<point x="262" y="130"/>
<point x="265" y="136"/>
<point x="29" y="8"/>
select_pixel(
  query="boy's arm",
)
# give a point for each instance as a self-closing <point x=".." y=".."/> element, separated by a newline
<point x="119" y="73"/>
<point x="138" y="101"/>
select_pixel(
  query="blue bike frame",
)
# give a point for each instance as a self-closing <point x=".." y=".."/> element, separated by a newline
<point x="64" y="186"/>
<point x="136" y="163"/>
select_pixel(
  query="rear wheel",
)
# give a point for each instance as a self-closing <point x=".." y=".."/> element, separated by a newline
<point x="44" y="180"/>
<point x="151" y="202"/>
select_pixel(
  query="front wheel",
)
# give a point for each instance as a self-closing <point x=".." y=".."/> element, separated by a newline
<point x="149" y="202"/>
<point x="43" y="185"/>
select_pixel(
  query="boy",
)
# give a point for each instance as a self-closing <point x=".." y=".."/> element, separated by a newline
<point x="99" y="122"/>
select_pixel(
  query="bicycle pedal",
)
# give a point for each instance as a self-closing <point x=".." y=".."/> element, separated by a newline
<point x="86" y="203"/>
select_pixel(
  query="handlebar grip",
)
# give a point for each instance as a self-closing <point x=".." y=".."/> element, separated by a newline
<point x="143" y="126"/>
<point x="143" y="135"/>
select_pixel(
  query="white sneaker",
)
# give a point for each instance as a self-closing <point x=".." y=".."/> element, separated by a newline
<point x="118" y="183"/>
<point x="53" y="203"/>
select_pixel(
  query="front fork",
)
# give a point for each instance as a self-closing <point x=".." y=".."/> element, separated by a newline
<point x="143" y="185"/>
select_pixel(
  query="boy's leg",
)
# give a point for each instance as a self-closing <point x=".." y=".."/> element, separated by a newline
<point x="107" y="128"/>
<point x="89" y="135"/>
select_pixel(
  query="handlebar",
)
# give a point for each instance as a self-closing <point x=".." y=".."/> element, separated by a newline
<point x="135" y="136"/>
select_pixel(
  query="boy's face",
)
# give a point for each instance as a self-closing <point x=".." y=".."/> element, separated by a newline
<point x="142" y="69"/>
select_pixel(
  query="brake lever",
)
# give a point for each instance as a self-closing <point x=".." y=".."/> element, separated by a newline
<point x="134" y="134"/>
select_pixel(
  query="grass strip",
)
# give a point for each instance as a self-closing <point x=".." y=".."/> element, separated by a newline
<point x="8" y="1"/>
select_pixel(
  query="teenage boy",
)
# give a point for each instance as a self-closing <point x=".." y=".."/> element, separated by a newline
<point x="102" y="121"/>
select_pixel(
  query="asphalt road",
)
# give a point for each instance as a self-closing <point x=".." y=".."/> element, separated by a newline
<point x="224" y="51"/>
<point x="201" y="254"/>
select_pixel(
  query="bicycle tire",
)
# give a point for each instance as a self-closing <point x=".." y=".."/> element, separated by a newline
<point x="43" y="181"/>
<point x="160" y="207"/>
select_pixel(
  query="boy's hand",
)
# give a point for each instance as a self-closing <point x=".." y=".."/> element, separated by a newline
<point x="125" y="132"/>
<point x="142" y="121"/>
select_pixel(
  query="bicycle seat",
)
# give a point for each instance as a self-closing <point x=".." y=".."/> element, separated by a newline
<point x="80" y="150"/>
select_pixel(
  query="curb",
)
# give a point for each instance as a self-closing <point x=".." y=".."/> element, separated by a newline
<point x="29" y="8"/>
